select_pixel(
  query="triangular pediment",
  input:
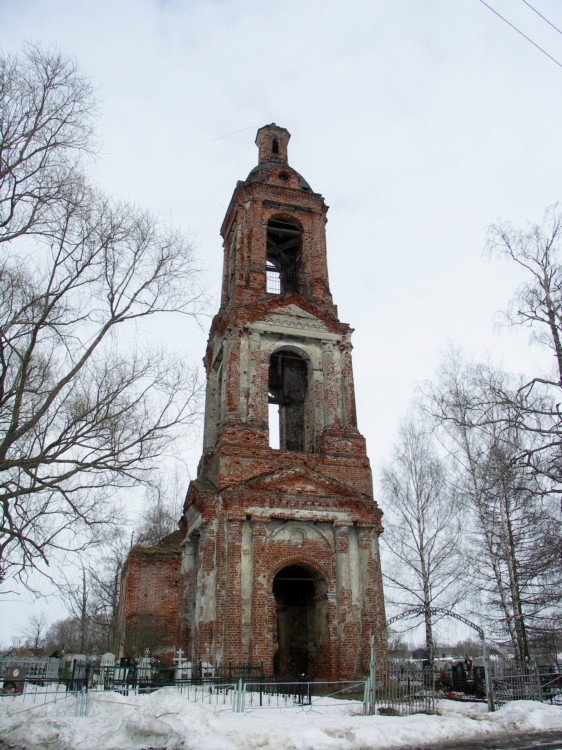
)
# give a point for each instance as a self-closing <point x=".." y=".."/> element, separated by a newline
<point x="293" y="319"/>
<point x="297" y="480"/>
<point x="294" y="315"/>
<point x="296" y="308"/>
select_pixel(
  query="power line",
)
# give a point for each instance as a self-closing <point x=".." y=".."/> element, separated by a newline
<point x="234" y="132"/>
<point x="544" y="18"/>
<point x="554" y="60"/>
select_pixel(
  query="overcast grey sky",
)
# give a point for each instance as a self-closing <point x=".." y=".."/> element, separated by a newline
<point x="420" y="121"/>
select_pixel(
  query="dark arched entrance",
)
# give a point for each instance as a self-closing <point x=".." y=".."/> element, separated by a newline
<point x="302" y="622"/>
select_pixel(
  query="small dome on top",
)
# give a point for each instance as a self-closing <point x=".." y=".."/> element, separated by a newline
<point x="273" y="165"/>
<point x="272" y="142"/>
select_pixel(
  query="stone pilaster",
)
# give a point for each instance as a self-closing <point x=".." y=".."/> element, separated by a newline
<point x="260" y="596"/>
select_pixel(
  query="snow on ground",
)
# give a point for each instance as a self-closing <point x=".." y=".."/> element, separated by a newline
<point x="168" y="719"/>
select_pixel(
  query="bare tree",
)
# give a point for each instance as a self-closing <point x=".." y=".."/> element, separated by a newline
<point x="162" y="511"/>
<point x="505" y="435"/>
<point x="398" y="647"/>
<point x="67" y="636"/>
<point x="91" y="599"/>
<point x="537" y="303"/>
<point x="536" y="405"/>
<point x="511" y="547"/>
<point x="422" y="528"/>
<point x="469" y="646"/>
<point x="105" y="583"/>
<point x="34" y="632"/>
<point x="85" y="410"/>
<point x="75" y="597"/>
<point x="46" y="108"/>
<point x="64" y="636"/>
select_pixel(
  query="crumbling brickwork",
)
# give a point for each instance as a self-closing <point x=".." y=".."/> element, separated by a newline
<point x="149" y="602"/>
<point x="280" y="559"/>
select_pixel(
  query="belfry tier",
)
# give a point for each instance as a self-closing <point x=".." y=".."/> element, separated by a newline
<point x="278" y="360"/>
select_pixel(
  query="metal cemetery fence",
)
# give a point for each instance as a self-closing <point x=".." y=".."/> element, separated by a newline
<point x="286" y="693"/>
<point x="400" y="688"/>
<point x="277" y="694"/>
<point x="511" y="681"/>
<point x="398" y="693"/>
<point x="394" y="687"/>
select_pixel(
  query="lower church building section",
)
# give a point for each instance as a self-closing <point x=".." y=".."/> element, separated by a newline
<point x="149" y="601"/>
<point x="292" y="585"/>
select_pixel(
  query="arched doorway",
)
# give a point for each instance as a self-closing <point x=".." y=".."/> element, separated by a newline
<point x="302" y="622"/>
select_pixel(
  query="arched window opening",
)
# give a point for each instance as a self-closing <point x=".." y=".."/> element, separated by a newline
<point x="283" y="256"/>
<point x="288" y="383"/>
<point x="300" y="619"/>
<point x="275" y="146"/>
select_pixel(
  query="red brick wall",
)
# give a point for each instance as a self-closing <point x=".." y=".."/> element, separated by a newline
<point x="149" y="603"/>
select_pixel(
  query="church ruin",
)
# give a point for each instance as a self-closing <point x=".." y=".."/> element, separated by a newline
<point x="279" y="559"/>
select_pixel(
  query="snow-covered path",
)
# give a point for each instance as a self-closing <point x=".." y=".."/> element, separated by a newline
<point x="167" y="719"/>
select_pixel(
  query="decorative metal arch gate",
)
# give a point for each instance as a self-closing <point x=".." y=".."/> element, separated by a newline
<point x="504" y="680"/>
<point x="416" y="611"/>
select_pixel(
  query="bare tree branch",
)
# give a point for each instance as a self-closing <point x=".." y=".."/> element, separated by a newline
<point x="46" y="109"/>
<point x="85" y="410"/>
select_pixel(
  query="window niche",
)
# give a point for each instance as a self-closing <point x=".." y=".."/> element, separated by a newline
<point x="288" y="386"/>
<point x="283" y="257"/>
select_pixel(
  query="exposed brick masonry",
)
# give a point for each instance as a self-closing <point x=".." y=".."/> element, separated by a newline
<point x="280" y="560"/>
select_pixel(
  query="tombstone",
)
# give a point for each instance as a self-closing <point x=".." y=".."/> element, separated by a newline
<point x="144" y="668"/>
<point x="207" y="670"/>
<point x="459" y="676"/>
<point x="107" y="660"/>
<point x="184" y="669"/>
<point x="14" y="679"/>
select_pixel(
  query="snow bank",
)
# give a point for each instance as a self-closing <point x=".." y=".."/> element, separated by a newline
<point x="167" y="719"/>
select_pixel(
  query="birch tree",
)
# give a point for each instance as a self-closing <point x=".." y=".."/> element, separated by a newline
<point x="535" y="406"/>
<point x="422" y="528"/>
<point x="510" y="544"/>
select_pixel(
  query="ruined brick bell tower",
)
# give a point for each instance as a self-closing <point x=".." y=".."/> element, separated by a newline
<point x="280" y="560"/>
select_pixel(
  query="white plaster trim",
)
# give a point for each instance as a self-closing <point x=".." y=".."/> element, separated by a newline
<point x="339" y="518"/>
<point x="301" y="333"/>
<point x="194" y="520"/>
